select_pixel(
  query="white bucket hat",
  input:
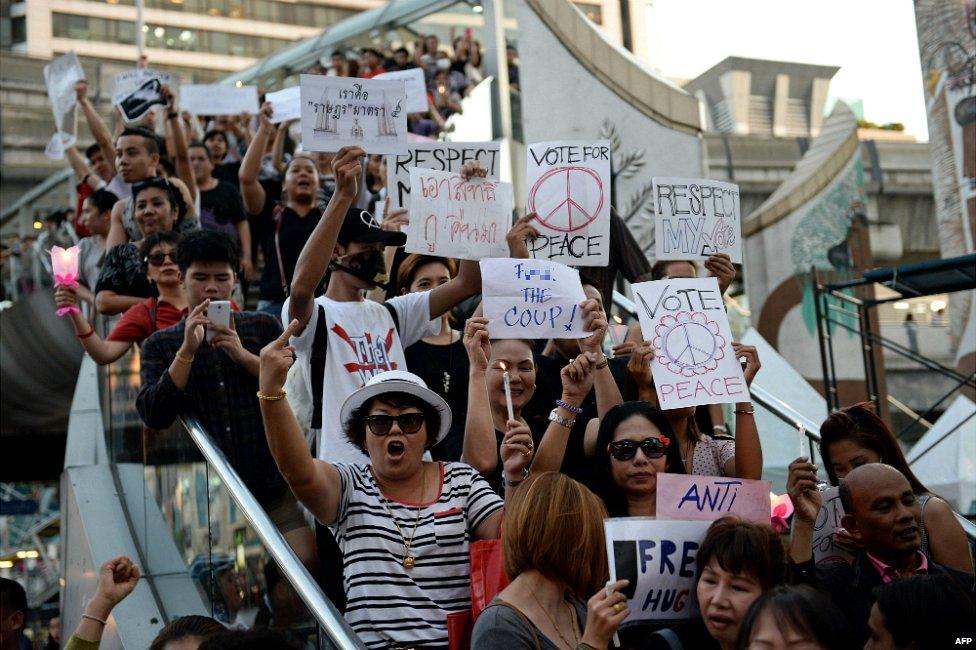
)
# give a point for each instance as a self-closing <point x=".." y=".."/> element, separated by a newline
<point x="397" y="381"/>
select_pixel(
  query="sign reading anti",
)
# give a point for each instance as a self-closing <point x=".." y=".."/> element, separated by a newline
<point x="825" y="548"/>
<point x="658" y="558"/>
<point x="684" y="320"/>
<point x="451" y="216"/>
<point x="569" y="190"/>
<point x="532" y="299"/>
<point x="707" y="498"/>
<point x="696" y="218"/>
<point x="346" y="111"/>
<point x="440" y="156"/>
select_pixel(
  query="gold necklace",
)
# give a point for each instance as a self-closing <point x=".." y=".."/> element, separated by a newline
<point x="408" y="559"/>
<point x="572" y="617"/>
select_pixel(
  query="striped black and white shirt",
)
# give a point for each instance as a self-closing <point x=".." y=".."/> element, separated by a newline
<point x="387" y="603"/>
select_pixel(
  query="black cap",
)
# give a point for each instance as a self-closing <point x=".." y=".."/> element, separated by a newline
<point x="355" y="227"/>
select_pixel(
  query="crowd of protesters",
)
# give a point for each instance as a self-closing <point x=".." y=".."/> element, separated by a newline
<point x="360" y="390"/>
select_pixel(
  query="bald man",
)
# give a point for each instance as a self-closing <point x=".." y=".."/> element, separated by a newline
<point x="882" y="513"/>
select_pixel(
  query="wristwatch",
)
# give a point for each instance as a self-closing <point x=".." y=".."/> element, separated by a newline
<point x="561" y="421"/>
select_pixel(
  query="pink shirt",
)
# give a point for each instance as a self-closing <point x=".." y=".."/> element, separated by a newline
<point x="889" y="573"/>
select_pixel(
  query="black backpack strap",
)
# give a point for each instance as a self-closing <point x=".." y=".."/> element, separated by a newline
<point x="319" y="348"/>
<point x="393" y="314"/>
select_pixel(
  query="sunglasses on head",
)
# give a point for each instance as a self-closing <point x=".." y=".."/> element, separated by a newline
<point x="380" y="425"/>
<point x="627" y="449"/>
<point x="158" y="259"/>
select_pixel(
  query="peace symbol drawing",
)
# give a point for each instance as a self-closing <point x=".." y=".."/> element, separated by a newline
<point x="567" y="198"/>
<point x="688" y="343"/>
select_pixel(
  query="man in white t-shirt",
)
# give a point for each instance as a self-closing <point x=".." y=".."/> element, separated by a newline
<point x="362" y="337"/>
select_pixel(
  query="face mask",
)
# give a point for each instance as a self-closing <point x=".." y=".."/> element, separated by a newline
<point x="368" y="266"/>
<point x="443" y="64"/>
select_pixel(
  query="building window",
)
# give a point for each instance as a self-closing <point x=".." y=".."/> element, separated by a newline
<point x="18" y="29"/>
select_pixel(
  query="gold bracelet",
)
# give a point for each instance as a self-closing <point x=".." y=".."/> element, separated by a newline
<point x="602" y="365"/>
<point x="183" y="359"/>
<point x="738" y="412"/>
<point x="271" y="398"/>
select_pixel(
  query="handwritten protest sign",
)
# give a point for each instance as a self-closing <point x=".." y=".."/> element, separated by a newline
<point x="569" y="188"/>
<point x="341" y="111"/>
<point x="696" y="218"/>
<point x="684" y="319"/>
<point x="453" y="217"/>
<point x="658" y="558"/>
<point x="285" y="104"/>
<point x="707" y="498"/>
<point x="60" y="77"/>
<point x="441" y="156"/>
<point x="825" y="548"/>
<point x="531" y="299"/>
<point x="415" y="86"/>
<point x="218" y="99"/>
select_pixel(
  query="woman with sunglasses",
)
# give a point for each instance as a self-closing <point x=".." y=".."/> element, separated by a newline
<point x="123" y="282"/>
<point x="403" y="524"/>
<point x="158" y="252"/>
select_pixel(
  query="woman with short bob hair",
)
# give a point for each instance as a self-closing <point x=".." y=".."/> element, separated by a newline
<point x="555" y="555"/>
<point x="791" y="616"/>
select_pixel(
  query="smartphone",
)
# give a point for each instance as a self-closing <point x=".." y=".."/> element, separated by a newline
<point x="219" y="314"/>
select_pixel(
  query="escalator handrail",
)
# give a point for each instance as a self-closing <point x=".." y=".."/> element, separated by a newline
<point x="322" y="609"/>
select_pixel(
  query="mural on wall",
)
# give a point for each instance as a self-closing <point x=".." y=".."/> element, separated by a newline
<point x="637" y="210"/>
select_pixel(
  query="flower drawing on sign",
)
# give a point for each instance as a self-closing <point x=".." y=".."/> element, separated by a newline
<point x="688" y="343"/>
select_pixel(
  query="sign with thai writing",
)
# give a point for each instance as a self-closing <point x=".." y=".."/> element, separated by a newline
<point x="531" y="299"/>
<point x="658" y="558"/>
<point x="684" y="320"/>
<point x="285" y="104"/>
<point x="569" y="190"/>
<point x="441" y="156"/>
<point x="127" y="81"/>
<point x="696" y="218"/>
<point x="415" y="86"/>
<point x="218" y="99"/>
<point x="60" y="77"/>
<point x="825" y="548"/>
<point x="454" y="217"/>
<point x="346" y="111"/>
<point x="707" y="498"/>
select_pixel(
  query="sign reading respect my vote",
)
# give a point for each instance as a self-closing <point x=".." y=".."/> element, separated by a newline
<point x="694" y="363"/>
<point x="569" y="190"/>
<point x="532" y="299"/>
<point x="454" y="217"/>
<point x="341" y="111"/>
<point x="658" y="558"/>
<point x="218" y="99"/>
<point x="440" y="156"/>
<point x="825" y="548"/>
<point x="696" y="218"/>
<point x="707" y="498"/>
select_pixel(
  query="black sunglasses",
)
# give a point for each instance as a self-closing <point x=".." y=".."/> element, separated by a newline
<point x="158" y="259"/>
<point x="380" y="425"/>
<point x="627" y="449"/>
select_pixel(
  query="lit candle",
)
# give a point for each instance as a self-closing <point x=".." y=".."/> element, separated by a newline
<point x="508" y="391"/>
<point x="64" y="267"/>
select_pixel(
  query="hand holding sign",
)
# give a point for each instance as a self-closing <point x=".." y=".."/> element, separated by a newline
<point x="707" y="498"/>
<point x="639" y="365"/>
<point x="605" y="611"/>
<point x="577" y="378"/>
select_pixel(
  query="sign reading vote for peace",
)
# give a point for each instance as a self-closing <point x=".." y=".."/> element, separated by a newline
<point x="658" y="558"/>
<point x="341" y="111"/>
<point x="441" y="156"/>
<point x="707" y="498"/>
<point x="569" y="190"/>
<point x="454" y="217"/>
<point x="694" y="363"/>
<point x="218" y="99"/>
<point x="531" y="299"/>
<point x="825" y="548"/>
<point x="696" y="218"/>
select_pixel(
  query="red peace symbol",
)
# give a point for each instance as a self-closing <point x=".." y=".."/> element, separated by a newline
<point x="562" y="211"/>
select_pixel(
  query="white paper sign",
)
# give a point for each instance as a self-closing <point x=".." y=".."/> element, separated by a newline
<point x="285" y="104"/>
<point x="684" y="320"/>
<point x="453" y="217"/>
<point x="442" y="156"/>
<point x="60" y="77"/>
<point x="531" y="299"/>
<point x="127" y="81"/>
<point x="696" y="218"/>
<point x="56" y="146"/>
<point x="658" y="558"/>
<point x="341" y="111"/>
<point x="416" y="87"/>
<point x="218" y="99"/>
<point x="569" y="188"/>
<point x="825" y="549"/>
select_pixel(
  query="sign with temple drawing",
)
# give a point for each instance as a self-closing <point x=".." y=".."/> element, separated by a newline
<point x="346" y="111"/>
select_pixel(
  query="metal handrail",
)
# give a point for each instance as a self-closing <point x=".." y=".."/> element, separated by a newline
<point x="322" y="609"/>
<point x="35" y="193"/>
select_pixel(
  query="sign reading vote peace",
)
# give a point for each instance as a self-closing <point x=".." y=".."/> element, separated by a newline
<point x="694" y="363"/>
<point x="696" y="218"/>
<point x="341" y="111"/>
<point x="569" y="190"/>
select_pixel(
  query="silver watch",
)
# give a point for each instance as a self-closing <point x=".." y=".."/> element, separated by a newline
<point x="563" y="422"/>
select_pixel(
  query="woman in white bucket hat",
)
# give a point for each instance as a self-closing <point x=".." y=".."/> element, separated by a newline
<point x="403" y="524"/>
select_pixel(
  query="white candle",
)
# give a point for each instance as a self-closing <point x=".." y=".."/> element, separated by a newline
<point x="508" y="395"/>
<point x="803" y="440"/>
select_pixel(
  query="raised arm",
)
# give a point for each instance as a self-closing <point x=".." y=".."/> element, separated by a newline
<point x="78" y="164"/>
<point x="315" y="483"/>
<point x="117" y="234"/>
<point x="801" y="485"/>
<point x="607" y="391"/>
<point x="577" y="380"/>
<point x="478" y="449"/>
<point x="748" y="460"/>
<point x="278" y="147"/>
<point x="181" y="154"/>
<point x="97" y="126"/>
<point x="251" y="190"/>
<point x="103" y="352"/>
<point x="317" y="252"/>
<point x="117" y="578"/>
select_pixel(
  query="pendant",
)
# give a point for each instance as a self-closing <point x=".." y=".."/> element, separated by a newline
<point x="447" y="383"/>
<point x="407" y="562"/>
